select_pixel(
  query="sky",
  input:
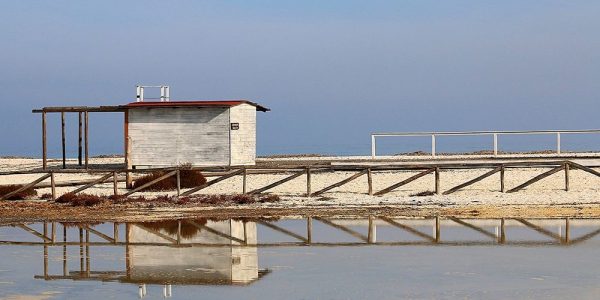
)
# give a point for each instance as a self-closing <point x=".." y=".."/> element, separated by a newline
<point x="331" y="71"/>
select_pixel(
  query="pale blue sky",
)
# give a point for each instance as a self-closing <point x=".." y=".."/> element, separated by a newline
<point x="332" y="71"/>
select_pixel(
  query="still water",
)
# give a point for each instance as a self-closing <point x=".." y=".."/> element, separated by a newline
<point x="302" y="258"/>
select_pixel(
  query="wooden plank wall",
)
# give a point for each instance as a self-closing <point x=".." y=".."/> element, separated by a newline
<point x="172" y="136"/>
<point x="243" y="140"/>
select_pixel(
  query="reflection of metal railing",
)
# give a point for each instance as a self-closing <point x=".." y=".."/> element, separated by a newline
<point x="493" y="134"/>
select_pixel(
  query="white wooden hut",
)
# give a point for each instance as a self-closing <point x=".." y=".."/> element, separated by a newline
<point x="200" y="133"/>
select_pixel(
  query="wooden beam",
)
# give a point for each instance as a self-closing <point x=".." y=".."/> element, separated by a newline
<point x="408" y="229"/>
<point x="27" y="186"/>
<point x="116" y="184"/>
<point x="536" y="179"/>
<point x="370" y="182"/>
<point x="178" y="183"/>
<point x="308" y="181"/>
<point x="79" y="140"/>
<point x="52" y="186"/>
<point x="44" y="143"/>
<point x="163" y="236"/>
<point x="279" y="182"/>
<point x="472" y="181"/>
<point x="282" y="230"/>
<point x="143" y="186"/>
<point x="584" y="168"/>
<point x="404" y="182"/>
<point x="437" y="180"/>
<point x="86" y="139"/>
<point x="91" y="184"/>
<point x="34" y="232"/>
<point x="244" y="183"/>
<point x="585" y="237"/>
<point x="343" y="228"/>
<point x="476" y="228"/>
<point x="126" y="145"/>
<point x="323" y="190"/>
<point x="502" y="185"/>
<point x="63" y="139"/>
<point x="98" y="233"/>
<point x="539" y="229"/>
<point x="193" y="190"/>
<point x="215" y="232"/>
<point x="566" y="166"/>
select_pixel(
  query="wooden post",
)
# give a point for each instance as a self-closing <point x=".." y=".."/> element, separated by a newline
<point x="308" y="180"/>
<point x="128" y="179"/>
<point x="567" y="176"/>
<point x="87" y="253"/>
<point x="244" y="186"/>
<point x="44" y="145"/>
<point x="81" y="250"/>
<point x="64" y="147"/>
<point x="65" y="272"/>
<point x="309" y="230"/>
<point x="53" y="232"/>
<point x="53" y="186"/>
<point x="437" y="229"/>
<point x="502" y="186"/>
<point x="372" y="235"/>
<point x="178" y="232"/>
<point x="178" y="181"/>
<point x="79" y="146"/>
<point x="116" y="232"/>
<point x="567" y="230"/>
<point x="86" y="138"/>
<point x="437" y="180"/>
<point x="115" y="184"/>
<point x="502" y="232"/>
<point x="370" y="181"/>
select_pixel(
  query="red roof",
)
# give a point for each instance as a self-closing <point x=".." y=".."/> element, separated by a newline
<point x="197" y="103"/>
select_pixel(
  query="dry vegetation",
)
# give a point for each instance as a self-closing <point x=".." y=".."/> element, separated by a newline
<point x="172" y="226"/>
<point x="166" y="200"/>
<point x="189" y="179"/>
<point x="22" y="195"/>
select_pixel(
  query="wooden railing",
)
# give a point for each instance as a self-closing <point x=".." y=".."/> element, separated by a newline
<point x="296" y="171"/>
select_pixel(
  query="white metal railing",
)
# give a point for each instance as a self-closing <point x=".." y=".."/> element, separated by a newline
<point x="165" y="94"/>
<point x="494" y="134"/>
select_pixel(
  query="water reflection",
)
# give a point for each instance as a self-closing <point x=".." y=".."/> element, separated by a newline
<point x="225" y="252"/>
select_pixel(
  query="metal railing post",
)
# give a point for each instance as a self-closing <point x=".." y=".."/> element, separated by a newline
<point x="495" y="144"/>
<point x="558" y="143"/>
<point x="373" y="149"/>
<point x="433" y="145"/>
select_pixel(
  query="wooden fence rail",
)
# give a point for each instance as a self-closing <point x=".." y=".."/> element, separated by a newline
<point x="221" y="174"/>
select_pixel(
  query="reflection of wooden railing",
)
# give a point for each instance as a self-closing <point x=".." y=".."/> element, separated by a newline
<point x="48" y="236"/>
<point x="222" y="174"/>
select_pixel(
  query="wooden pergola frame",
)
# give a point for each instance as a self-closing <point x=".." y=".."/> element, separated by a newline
<point x="83" y="112"/>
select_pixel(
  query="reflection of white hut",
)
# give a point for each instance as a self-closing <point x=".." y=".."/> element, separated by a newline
<point x="195" y="265"/>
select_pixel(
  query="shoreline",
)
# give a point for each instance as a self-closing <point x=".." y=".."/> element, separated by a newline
<point x="545" y="199"/>
<point x="35" y="211"/>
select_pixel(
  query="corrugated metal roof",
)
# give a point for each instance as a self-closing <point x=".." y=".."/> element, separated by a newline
<point x="196" y="103"/>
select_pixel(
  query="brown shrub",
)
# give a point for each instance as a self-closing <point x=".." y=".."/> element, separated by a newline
<point x="269" y="198"/>
<point x="242" y="199"/>
<point x="46" y="196"/>
<point x="423" y="194"/>
<point x="171" y="226"/>
<point x="189" y="179"/>
<point x="5" y="189"/>
<point x="80" y="199"/>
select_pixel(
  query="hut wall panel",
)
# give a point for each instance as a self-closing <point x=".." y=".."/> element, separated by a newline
<point x="243" y="140"/>
<point x="173" y="136"/>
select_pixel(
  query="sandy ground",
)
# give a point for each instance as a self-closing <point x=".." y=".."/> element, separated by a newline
<point x="584" y="189"/>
